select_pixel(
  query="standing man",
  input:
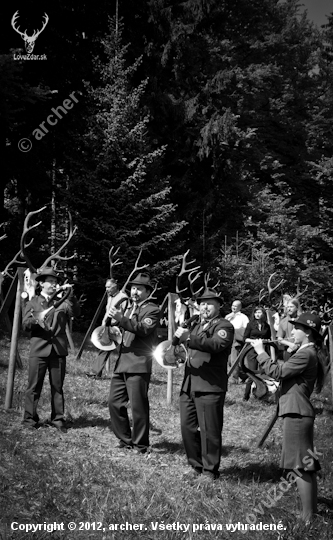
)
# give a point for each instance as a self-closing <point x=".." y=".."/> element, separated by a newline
<point x="113" y="297"/>
<point x="239" y="321"/>
<point x="204" y="387"/>
<point x="48" y="348"/>
<point x="130" y="380"/>
<point x="286" y="326"/>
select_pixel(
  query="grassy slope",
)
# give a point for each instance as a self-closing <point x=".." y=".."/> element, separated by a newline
<point x="81" y="477"/>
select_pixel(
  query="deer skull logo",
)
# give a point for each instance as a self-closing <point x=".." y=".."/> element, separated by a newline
<point x="29" y="41"/>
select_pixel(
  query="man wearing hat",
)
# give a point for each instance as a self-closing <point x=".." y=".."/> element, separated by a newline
<point x="48" y="347"/>
<point x="131" y="376"/>
<point x="114" y="296"/>
<point x="204" y="387"/>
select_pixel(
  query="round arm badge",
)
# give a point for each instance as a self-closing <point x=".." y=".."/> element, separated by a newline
<point x="148" y="321"/>
<point x="222" y="334"/>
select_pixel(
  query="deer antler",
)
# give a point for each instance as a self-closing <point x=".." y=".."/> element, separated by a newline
<point x="14" y="260"/>
<point x="113" y="263"/>
<point x="136" y="268"/>
<point x="299" y="293"/>
<point x="273" y="289"/>
<point x="26" y="230"/>
<point x="182" y="272"/>
<point x="56" y="256"/>
<point x="194" y="293"/>
<point x="270" y="290"/>
<point x="151" y="296"/>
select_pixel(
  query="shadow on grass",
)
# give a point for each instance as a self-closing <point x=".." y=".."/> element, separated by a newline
<point x="167" y="447"/>
<point x="228" y="449"/>
<point x="157" y="382"/>
<point x="254" y="472"/>
<point x="83" y="421"/>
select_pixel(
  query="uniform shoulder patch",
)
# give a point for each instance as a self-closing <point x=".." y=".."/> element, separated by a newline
<point x="222" y="334"/>
<point x="148" y="321"/>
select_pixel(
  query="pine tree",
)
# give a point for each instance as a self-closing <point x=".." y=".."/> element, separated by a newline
<point x="119" y="194"/>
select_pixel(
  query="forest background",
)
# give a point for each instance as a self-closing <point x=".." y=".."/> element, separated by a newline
<point x="202" y="125"/>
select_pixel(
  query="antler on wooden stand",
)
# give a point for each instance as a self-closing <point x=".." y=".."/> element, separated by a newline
<point x="136" y="269"/>
<point x="112" y="262"/>
<point x="184" y="270"/>
<point x="299" y="293"/>
<point x="270" y="289"/>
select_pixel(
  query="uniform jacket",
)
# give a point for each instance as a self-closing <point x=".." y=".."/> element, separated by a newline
<point x="139" y="339"/>
<point x="209" y="348"/>
<point x="42" y="341"/>
<point x="298" y="376"/>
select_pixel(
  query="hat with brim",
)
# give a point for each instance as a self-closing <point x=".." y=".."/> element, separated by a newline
<point x="209" y="294"/>
<point x="309" y="320"/>
<point x="142" y="279"/>
<point x="48" y="272"/>
<point x="106" y="338"/>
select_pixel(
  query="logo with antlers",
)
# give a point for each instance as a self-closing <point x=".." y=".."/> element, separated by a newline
<point x="29" y="41"/>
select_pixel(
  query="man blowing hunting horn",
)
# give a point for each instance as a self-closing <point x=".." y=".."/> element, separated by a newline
<point x="203" y="390"/>
<point x="131" y="376"/>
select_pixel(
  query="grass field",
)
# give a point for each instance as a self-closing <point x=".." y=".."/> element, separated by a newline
<point x="80" y="477"/>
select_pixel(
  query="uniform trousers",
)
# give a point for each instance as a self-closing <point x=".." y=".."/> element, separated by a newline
<point x="132" y="387"/>
<point x="100" y="362"/>
<point x="235" y="350"/>
<point x="202" y="410"/>
<point x="56" y="366"/>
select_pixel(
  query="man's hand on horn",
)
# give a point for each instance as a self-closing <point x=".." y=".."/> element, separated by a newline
<point x="115" y="313"/>
<point x="258" y="346"/>
<point x="182" y="334"/>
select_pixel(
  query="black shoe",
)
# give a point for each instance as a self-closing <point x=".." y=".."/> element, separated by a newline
<point x="30" y="426"/>
<point x="59" y="427"/>
<point x="139" y="451"/>
<point x="123" y="446"/>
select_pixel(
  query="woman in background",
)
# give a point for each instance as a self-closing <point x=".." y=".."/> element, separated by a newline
<point x="257" y="328"/>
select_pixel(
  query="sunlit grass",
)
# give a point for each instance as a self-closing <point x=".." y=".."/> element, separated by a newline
<point x="81" y="477"/>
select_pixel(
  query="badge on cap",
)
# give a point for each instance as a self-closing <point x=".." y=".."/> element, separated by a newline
<point x="222" y="334"/>
<point x="148" y="321"/>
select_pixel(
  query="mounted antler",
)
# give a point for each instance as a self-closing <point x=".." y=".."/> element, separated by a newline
<point x="29" y="283"/>
<point x="206" y="281"/>
<point x="26" y="230"/>
<point x="299" y="293"/>
<point x="194" y="293"/>
<point x="270" y="289"/>
<point x="112" y="262"/>
<point x="136" y="268"/>
<point x="184" y="270"/>
<point x="14" y="260"/>
<point x="56" y="256"/>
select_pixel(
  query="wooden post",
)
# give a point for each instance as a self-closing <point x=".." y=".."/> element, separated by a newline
<point x="171" y="331"/>
<point x="19" y="363"/>
<point x="13" y="346"/>
<point x="273" y="332"/>
<point x="92" y="326"/>
<point x="330" y="338"/>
